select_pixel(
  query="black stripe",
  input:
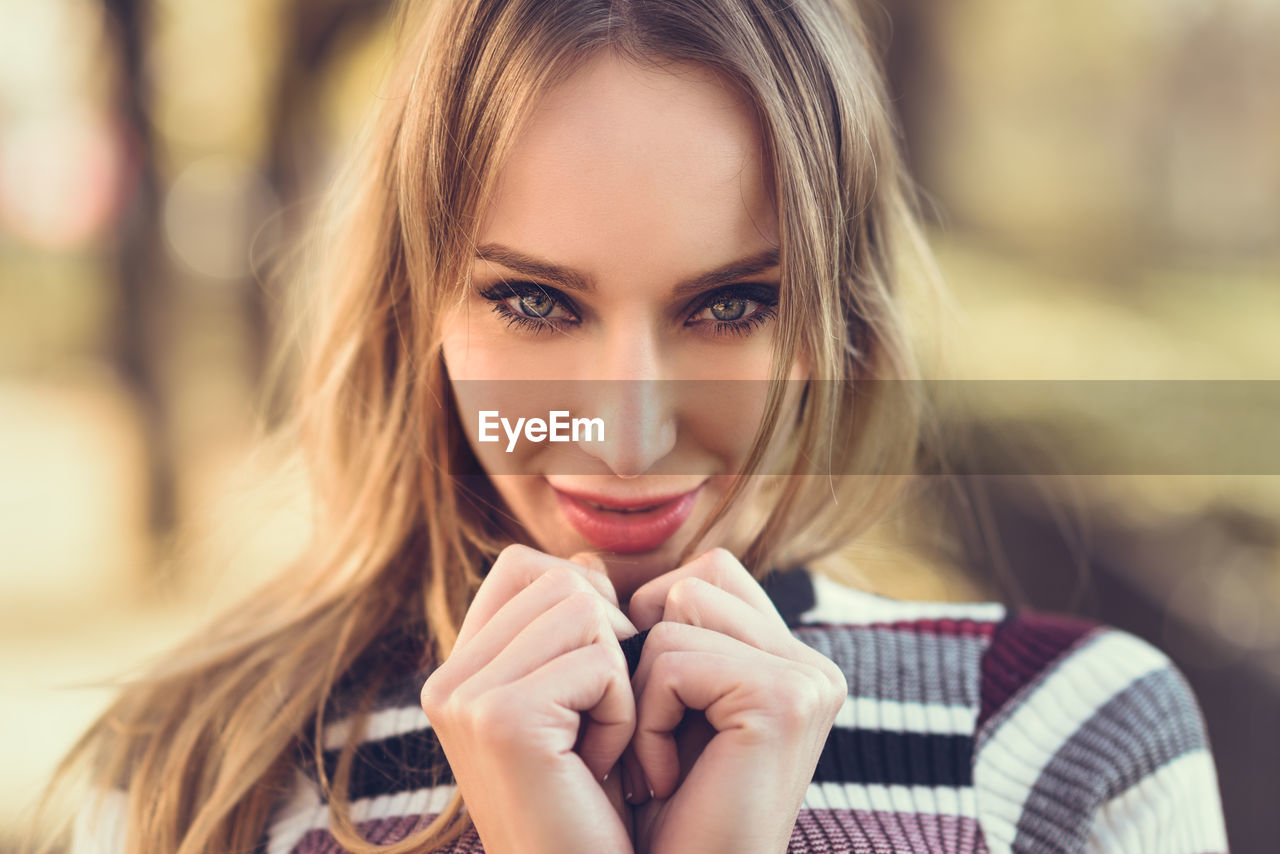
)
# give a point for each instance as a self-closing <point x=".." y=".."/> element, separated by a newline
<point x="631" y="648"/>
<point x="415" y="760"/>
<point x="895" y="758"/>
<point x="791" y="591"/>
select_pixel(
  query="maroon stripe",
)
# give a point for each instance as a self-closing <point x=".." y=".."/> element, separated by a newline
<point x="953" y="627"/>
<point x="385" y="831"/>
<point x="816" y="830"/>
<point x="873" y="832"/>
<point x="1025" y="644"/>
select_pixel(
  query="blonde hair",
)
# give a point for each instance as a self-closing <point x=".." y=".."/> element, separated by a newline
<point x="204" y="744"/>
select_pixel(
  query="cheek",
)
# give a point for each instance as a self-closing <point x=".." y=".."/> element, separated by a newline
<point x="468" y="346"/>
<point x="491" y="413"/>
<point x="721" y="417"/>
<point x="479" y="365"/>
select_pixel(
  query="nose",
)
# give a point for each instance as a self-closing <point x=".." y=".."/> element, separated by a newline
<point x="626" y="389"/>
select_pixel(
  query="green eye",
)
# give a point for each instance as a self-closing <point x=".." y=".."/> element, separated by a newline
<point x="728" y="308"/>
<point x="537" y="305"/>
<point x="737" y="309"/>
<point x="530" y="306"/>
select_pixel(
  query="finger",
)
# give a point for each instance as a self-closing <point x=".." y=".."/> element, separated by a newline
<point x="577" y="620"/>
<point x="634" y="788"/>
<point x="598" y="574"/>
<point x="718" y="567"/>
<point x="734" y="693"/>
<point x="697" y="602"/>
<point x="680" y="637"/>
<point x="591" y="680"/>
<point x="548" y="589"/>
<point x="667" y="638"/>
<point x="516" y="567"/>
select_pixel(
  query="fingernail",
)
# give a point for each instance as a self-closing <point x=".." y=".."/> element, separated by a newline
<point x="633" y="787"/>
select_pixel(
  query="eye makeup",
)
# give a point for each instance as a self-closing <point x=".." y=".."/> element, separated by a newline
<point x="530" y="306"/>
<point x="738" y="309"/>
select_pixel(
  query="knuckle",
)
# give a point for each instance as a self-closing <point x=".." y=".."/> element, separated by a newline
<point x="663" y="635"/>
<point x="583" y="605"/>
<point x="824" y="667"/>
<point x="429" y="695"/>
<point x="437" y="688"/>
<point x="511" y="556"/>
<point x="665" y="669"/>
<point x="721" y="564"/>
<point x="685" y="589"/>
<point x="494" y="716"/>
<point x="830" y="695"/>
<point x="610" y="657"/>
<point x="839" y="682"/>
<point x="683" y="601"/>
<point x="721" y="555"/>
<point x="586" y="611"/>
<point x="799" y="699"/>
<point x="562" y="578"/>
<point x="513" y="566"/>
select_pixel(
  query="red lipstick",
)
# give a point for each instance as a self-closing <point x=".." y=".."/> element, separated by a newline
<point x="626" y="526"/>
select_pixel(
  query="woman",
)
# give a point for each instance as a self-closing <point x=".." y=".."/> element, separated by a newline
<point x="679" y="221"/>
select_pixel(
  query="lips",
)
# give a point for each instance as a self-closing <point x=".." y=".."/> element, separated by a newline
<point x="626" y="526"/>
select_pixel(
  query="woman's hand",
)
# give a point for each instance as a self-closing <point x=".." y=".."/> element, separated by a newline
<point x="534" y="706"/>
<point x="756" y="704"/>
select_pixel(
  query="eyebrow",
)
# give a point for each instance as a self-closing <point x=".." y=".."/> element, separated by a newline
<point x="575" y="280"/>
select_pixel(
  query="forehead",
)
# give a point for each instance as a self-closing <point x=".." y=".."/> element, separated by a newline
<point x="628" y="168"/>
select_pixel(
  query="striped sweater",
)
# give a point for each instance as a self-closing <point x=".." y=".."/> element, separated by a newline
<point x="969" y="727"/>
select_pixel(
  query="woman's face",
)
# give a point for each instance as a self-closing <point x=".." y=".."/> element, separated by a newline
<point x="627" y="271"/>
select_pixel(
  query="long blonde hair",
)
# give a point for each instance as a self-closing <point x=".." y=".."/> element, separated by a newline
<point x="205" y="743"/>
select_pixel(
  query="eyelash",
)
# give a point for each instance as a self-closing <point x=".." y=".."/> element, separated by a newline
<point x="765" y="298"/>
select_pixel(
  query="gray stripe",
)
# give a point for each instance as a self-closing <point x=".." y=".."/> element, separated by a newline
<point x="1150" y="723"/>
<point x="902" y="664"/>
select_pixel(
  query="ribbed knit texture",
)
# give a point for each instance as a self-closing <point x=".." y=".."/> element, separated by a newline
<point x="968" y="728"/>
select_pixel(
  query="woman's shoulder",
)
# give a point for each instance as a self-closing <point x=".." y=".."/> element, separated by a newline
<point x="1027" y="664"/>
<point x="1085" y="720"/>
<point x="1020" y="653"/>
<point x="1080" y="735"/>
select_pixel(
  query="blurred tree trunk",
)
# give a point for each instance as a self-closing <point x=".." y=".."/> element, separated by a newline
<point x="904" y="31"/>
<point x="143" y="305"/>
<point x="313" y="31"/>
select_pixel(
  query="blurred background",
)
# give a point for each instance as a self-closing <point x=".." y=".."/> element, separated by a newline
<point x="1104" y="187"/>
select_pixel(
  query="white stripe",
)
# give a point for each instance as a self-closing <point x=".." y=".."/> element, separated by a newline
<point x="383" y="723"/>
<point x="925" y="800"/>
<point x="857" y="712"/>
<point x="838" y="604"/>
<point x="1174" y="810"/>
<point x="1010" y="762"/>
<point x="894" y="716"/>
<point x="302" y="811"/>
<point x="289" y="830"/>
<point x="416" y="802"/>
